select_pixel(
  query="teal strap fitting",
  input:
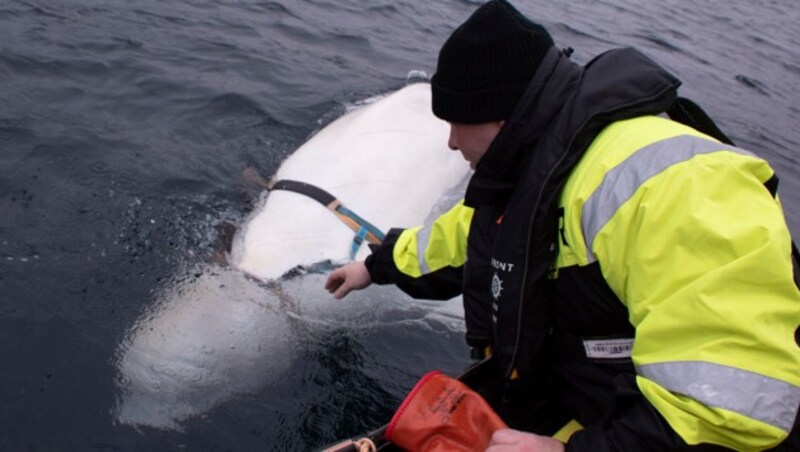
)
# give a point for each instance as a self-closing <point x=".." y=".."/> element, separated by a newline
<point x="362" y="222"/>
<point x="357" y="241"/>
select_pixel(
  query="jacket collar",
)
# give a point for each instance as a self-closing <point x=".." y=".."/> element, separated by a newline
<point x="497" y="172"/>
<point x="561" y="99"/>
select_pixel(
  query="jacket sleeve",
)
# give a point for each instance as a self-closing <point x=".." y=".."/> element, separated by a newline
<point x="633" y="424"/>
<point x="425" y="261"/>
<point x="700" y="254"/>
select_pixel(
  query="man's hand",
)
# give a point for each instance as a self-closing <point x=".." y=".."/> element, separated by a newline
<point x="353" y="276"/>
<point x="507" y="440"/>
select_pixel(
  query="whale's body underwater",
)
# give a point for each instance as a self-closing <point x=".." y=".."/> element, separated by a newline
<point x="219" y="331"/>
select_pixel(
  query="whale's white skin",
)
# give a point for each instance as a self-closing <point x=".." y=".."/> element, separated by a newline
<point x="388" y="162"/>
<point x="214" y="333"/>
<point x="204" y="340"/>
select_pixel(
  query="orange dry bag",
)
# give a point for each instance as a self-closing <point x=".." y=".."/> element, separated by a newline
<point x="443" y="414"/>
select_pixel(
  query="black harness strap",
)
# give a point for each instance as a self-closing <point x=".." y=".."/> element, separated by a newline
<point x="364" y="230"/>
<point x="312" y="191"/>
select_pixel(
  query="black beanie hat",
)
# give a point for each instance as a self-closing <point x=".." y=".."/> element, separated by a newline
<point x="486" y="64"/>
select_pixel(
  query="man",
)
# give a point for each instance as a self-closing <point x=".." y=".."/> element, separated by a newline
<point x="635" y="270"/>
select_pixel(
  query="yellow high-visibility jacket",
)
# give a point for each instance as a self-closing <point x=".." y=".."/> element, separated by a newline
<point x="689" y="238"/>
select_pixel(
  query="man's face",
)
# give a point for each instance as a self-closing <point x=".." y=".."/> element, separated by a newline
<point x="473" y="140"/>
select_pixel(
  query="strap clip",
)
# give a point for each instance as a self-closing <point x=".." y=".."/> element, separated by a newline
<point x="358" y="239"/>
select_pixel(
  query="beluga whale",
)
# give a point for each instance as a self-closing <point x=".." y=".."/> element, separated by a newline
<point x="214" y="332"/>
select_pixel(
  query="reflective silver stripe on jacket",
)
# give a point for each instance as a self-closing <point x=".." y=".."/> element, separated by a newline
<point x="620" y="184"/>
<point x="423" y="237"/>
<point x="756" y="396"/>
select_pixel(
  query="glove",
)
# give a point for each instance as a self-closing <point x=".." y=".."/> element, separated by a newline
<point x="443" y="414"/>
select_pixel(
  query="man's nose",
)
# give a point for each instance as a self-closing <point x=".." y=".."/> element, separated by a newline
<point x="451" y="141"/>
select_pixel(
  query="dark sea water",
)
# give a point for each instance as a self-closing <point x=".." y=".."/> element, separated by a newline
<point x="124" y="130"/>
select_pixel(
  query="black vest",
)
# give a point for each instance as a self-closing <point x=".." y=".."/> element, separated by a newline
<point x="515" y="192"/>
